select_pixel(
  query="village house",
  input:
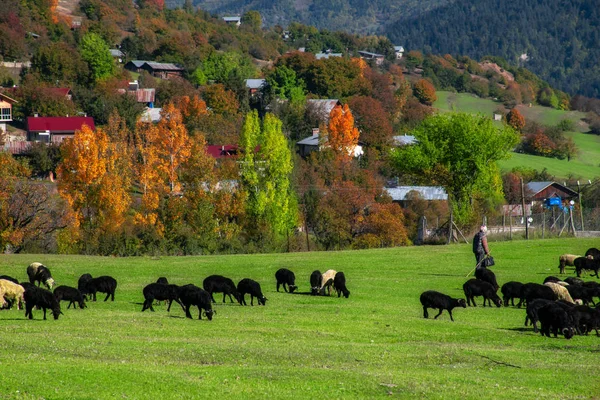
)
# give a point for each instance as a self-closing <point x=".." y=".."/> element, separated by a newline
<point x="55" y="129"/>
<point x="6" y="104"/>
<point x="326" y="55"/>
<point x="367" y="55"/>
<point x="543" y="194"/>
<point x="156" y="69"/>
<point x="254" y="86"/>
<point x="399" y="52"/>
<point x="237" y="21"/>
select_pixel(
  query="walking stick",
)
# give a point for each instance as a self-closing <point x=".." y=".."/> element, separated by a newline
<point x="477" y="266"/>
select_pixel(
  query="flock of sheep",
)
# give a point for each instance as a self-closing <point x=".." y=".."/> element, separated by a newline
<point x="559" y="306"/>
<point x="28" y="295"/>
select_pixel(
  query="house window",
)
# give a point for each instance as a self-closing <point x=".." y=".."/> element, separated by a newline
<point x="5" y="114"/>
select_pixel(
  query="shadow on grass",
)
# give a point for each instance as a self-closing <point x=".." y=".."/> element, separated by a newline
<point x="522" y="329"/>
<point x="441" y="274"/>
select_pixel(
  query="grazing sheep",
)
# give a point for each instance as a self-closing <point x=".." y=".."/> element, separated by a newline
<point x="38" y="272"/>
<point x="433" y="299"/>
<point x="532" y="309"/>
<point x="82" y="285"/>
<point x="584" y="263"/>
<point x="286" y="277"/>
<point x="70" y="294"/>
<point x="327" y="281"/>
<point x="486" y="275"/>
<point x="585" y="319"/>
<point x="554" y="317"/>
<point x="192" y="295"/>
<point x="12" y="293"/>
<point x="583" y="293"/>
<point x="9" y="278"/>
<point x="220" y="284"/>
<point x="247" y="285"/>
<point x="162" y="280"/>
<point x="476" y="287"/>
<point x="593" y="253"/>
<point x="552" y="279"/>
<point x="561" y="292"/>
<point x="574" y="281"/>
<point x="315" y="282"/>
<point x="40" y="298"/>
<point x="532" y="291"/>
<point x="102" y="284"/>
<point x="159" y="291"/>
<point x="566" y="259"/>
<point x="3" y="303"/>
<point x="339" y="284"/>
<point x="510" y="291"/>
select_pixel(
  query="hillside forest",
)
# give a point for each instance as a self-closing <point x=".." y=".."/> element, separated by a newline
<point x="132" y="186"/>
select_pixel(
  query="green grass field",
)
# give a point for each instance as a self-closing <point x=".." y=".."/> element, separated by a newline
<point x="585" y="166"/>
<point x="374" y="344"/>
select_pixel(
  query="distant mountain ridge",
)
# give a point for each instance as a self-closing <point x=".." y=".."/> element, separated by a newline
<point x="357" y="16"/>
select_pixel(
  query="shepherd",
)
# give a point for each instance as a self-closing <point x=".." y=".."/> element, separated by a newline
<point x="480" y="245"/>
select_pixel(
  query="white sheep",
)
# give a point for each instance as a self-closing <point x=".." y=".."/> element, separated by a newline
<point x="560" y="291"/>
<point x="567" y="259"/>
<point x="12" y="291"/>
<point x="327" y="281"/>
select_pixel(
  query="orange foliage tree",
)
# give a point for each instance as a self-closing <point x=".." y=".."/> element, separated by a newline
<point x="515" y="119"/>
<point x="342" y="135"/>
<point x="424" y="92"/>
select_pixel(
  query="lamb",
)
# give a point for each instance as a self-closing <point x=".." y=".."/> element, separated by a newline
<point x="339" y="284"/>
<point x="532" y="291"/>
<point x="327" y="281"/>
<point x="159" y="291"/>
<point x="584" y="263"/>
<point x="510" y="291"/>
<point x="286" y="277"/>
<point x="82" y="285"/>
<point x="191" y="295"/>
<point x="583" y="293"/>
<point x="561" y="292"/>
<point x="593" y="252"/>
<point x="433" y="299"/>
<point x="102" y="284"/>
<point x="486" y="275"/>
<point x="247" y="285"/>
<point x="41" y="298"/>
<point x="554" y="317"/>
<point x="9" y="278"/>
<point x="217" y="284"/>
<point x="38" y="272"/>
<point x="476" y="287"/>
<point x="12" y="293"/>
<point x="70" y="294"/>
<point x="566" y="259"/>
<point x="315" y="282"/>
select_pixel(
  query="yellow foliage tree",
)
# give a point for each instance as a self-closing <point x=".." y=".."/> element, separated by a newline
<point x="342" y="134"/>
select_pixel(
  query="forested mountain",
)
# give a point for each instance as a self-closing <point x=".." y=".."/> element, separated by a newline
<point x="560" y="37"/>
<point x="358" y="16"/>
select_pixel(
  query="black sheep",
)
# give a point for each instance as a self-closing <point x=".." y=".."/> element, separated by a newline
<point x="315" y="282"/>
<point x="70" y="294"/>
<point x="159" y="291"/>
<point x="285" y="277"/>
<point x="220" y="284"/>
<point x="532" y="291"/>
<point x="40" y="298"/>
<point x="82" y="285"/>
<point x="594" y="252"/>
<point x="486" y="275"/>
<point x="586" y="318"/>
<point x="574" y="281"/>
<point x="440" y="301"/>
<point x="584" y="263"/>
<point x="554" y="318"/>
<point x="251" y="287"/>
<point x="476" y="287"/>
<point x="339" y="284"/>
<point x="102" y="284"/>
<point x="510" y="291"/>
<point x="192" y="295"/>
<point x="583" y="293"/>
<point x="9" y="278"/>
<point x="162" y="280"/>
<point x="531" y="315"/>
<point x="552" y="279"/>
<point x="38" y="272"/>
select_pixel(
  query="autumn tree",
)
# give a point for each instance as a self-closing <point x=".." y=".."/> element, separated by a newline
<point x="515" y="119"/>
<point x="342" y="135"/>
<point x="424" y="92"/>
<point x="459" y="152"/>
<point x="372" y="121"/>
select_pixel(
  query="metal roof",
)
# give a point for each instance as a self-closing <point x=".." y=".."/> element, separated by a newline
<point x="427" y="192"/>
<point x="163" y="66"/>
<point x="324" y="106"/>
<point x="310" y="141"/>
<point x="255" y="83"/>
<point x="116" y="53"/>
<point x="137" y="63"/>
<point x="151" y="115"/>
<point x="537" y="187"/>
<point x="403" y="140"/>
<point x="320" y="56"/>
<point x="232" y="19"/>
<point x="58" y="124"/>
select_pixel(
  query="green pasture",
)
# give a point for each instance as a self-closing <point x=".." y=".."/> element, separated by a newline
<point x="562" y="169"/>
<point x="374" y="344"/>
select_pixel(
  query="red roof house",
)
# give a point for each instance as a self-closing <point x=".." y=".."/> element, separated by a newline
<point x="222" y="151"/>
<point x="55" y="129"/>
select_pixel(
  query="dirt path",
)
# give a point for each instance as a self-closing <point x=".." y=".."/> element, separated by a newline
<point x="66" y="8"/>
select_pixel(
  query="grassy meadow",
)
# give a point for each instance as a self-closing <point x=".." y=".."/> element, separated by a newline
<point x="585" y="166"/>
<point x="374" y="344"/>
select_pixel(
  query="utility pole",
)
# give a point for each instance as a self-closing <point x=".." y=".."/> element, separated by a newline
<point x="580" y="205"/>
<point x="523" y="206"/>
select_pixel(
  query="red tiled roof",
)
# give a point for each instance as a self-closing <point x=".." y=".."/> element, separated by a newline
<point x="59" y="91"/>
<point x="221" y="151"/>
<point x="58" y="124"/>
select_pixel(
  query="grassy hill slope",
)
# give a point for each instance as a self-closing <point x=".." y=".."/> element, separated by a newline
<point x="372" y="345"/>
<point x="585" y="166"/>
